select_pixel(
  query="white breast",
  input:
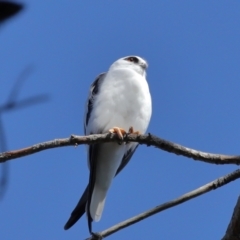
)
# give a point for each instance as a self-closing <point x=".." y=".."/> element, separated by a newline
<point x="123" y="101"/>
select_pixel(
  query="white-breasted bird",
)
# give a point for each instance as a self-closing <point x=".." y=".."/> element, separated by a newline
<point x="119" y="101"/>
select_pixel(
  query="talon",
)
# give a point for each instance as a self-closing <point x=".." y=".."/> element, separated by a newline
<point x="131" y="131"/>
<point x="119" y="131"/>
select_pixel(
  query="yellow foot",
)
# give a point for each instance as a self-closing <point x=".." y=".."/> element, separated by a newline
<point x="131" y="131"/>
<point x="119" y="131"/>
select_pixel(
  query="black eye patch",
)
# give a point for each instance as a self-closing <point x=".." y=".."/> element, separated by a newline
<point x="132" y="59"/>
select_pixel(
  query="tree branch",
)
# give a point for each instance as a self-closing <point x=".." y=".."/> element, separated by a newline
<point x="197" y="192"/>
<point x="233" y="230"/>
<point x="149" y="140"/>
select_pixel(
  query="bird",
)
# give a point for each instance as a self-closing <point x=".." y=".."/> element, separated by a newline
<point x="119" y="102"/>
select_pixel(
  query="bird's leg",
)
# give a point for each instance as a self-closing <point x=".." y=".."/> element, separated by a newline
<point x="119" y="131"/>
<point x="131" y="131"/>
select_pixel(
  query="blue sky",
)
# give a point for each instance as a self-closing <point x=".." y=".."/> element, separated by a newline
<point x="193" y="51"/>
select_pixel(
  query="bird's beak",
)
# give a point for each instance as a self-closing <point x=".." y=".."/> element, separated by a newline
<point x="144" y="65"/>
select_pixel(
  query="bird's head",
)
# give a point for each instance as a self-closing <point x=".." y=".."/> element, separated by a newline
<point x="136" y="63"/>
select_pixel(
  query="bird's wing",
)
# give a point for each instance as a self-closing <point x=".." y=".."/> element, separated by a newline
<point x="79" y="210"/>
<point x="126" y="158"/>
<point x="93" y="154"/>
<point x="89" y="105"/>
<point x="87" y="195"/>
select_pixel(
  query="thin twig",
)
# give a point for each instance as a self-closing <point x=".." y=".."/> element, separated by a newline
<point x="186" y="197"/>
<point x="149" y="140"/>
<point x="12" y="104"/>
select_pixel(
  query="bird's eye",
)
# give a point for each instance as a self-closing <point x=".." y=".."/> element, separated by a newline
<point x="132" y="59"/>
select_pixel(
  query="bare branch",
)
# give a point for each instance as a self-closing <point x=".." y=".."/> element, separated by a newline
<point x="4" y="167"/>
<point x="233" y="230"/>
<point x="22" y="77"/>
<point x="149" y="140"/>
<point x="12" y="106"/>
<point x="197" y="192"/>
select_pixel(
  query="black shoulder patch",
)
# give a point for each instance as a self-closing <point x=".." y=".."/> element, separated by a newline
<point x="93" y="92"/>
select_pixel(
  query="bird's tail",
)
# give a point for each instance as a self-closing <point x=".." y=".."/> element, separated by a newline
<point x="97" y="202"/>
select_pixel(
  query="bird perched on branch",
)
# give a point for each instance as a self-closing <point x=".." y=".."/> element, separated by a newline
<point x="119" y="101"/>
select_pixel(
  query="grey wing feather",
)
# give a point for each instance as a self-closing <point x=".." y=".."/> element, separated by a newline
<point x="94" y="89"/>
<point x="78" y="211"/>
<point x="126" y="158"/>
<point x="93" y="153"/>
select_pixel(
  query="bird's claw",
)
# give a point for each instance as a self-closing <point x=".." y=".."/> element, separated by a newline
<point x="119" y="131"/>
<point x="131" y="131"/>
